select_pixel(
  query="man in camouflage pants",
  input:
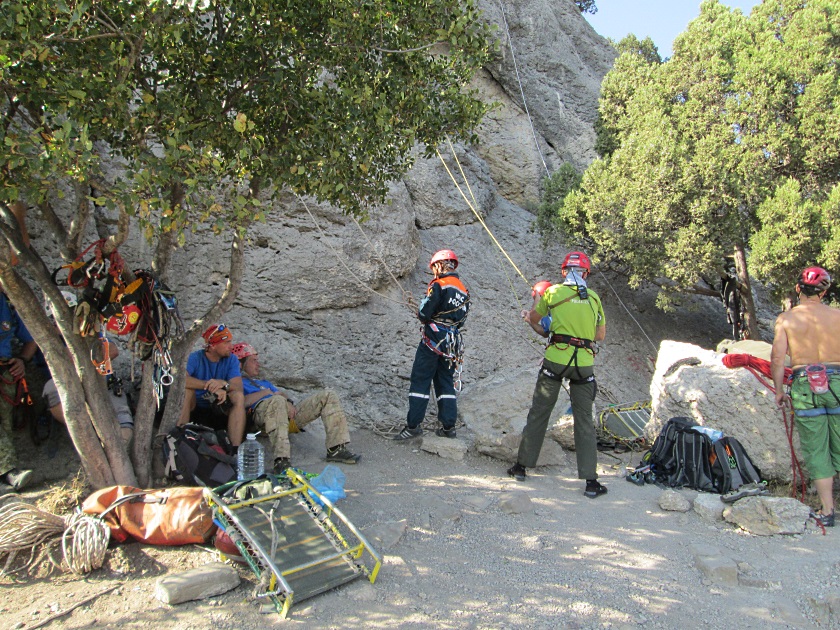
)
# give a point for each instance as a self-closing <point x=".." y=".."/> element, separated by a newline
<point x="13" y="367"/>
<point x="273" y="412"/>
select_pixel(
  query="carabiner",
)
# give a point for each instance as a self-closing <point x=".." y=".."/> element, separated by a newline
<point x="166" y="378"/>
<point x="103" y="367"/>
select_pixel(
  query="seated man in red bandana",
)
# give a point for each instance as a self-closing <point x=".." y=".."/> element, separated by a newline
<point x="213" y="379"/>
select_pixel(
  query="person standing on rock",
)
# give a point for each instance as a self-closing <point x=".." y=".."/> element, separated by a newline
<point x="577" y="322"/>
<point x="438" y="358"/>
<point x="808" y="334"/>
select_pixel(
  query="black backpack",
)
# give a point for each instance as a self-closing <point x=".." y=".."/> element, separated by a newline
<point x="661" y="457"/>
<point x="731" y="466"/>
<point x="195" y="455"/>
<point x="692" y="451"/>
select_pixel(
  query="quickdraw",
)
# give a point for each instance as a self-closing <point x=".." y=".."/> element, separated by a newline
<point x="158" y="322"/>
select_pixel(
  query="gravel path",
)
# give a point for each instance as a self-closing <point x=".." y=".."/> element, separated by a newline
<point x="454" y="559"/>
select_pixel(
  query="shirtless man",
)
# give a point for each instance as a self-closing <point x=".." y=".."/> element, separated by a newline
<point x="808" y="334"/>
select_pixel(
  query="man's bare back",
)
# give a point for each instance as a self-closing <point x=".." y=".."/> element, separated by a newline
<point x="809" y="333"/>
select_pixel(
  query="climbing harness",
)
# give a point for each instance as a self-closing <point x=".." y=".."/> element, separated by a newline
<point x="450" y="347"/>
<point x="575" y="342"/>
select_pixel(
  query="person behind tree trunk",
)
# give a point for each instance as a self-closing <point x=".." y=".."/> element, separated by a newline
<point x="577" y="322"/>
<point x="443" y="312"/>
<point x="214" y="383"/>
<point x="13" y="368"/>
<point x="808" y="334"/>
<point x="272" y="411"/>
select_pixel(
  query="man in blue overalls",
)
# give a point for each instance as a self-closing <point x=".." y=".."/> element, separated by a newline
<point x="443" y="312"/>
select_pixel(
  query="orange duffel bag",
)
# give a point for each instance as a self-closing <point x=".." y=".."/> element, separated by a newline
<point x="173" y="516"/>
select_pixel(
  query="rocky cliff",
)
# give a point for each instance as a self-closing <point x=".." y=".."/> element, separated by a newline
<point x="324" y="298"/>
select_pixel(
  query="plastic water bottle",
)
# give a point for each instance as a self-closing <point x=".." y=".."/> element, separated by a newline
<point x="714" y="434"/>
<point x="250" y="458"/>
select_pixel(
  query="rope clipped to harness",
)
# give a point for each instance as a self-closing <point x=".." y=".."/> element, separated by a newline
<point x="451" y="348"/>
<point x="760" y="368"/>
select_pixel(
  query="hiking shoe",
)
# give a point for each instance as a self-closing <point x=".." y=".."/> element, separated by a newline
<point x="281" y="464"/>
<point x="594" y="489"/>
<point x="407" y="433"/>
<point x="826" y="520"/>
<point x="18" y="479"/>
<point x="746" y="490"/>
<point x="447" y="433"/>
<point x="341" y="455"/>
<point x="517" y="471"/>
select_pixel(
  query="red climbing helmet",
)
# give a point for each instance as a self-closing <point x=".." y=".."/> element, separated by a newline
<point x="540" y="288"/>
<point x="577" y="259"/>
<point x="815" y="277"/>
<point x="243" y="351"/>
<point x="217" y="333"/>
<point x="444" y="254"/>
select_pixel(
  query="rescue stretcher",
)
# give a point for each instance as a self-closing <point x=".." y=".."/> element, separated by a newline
<point x="296" y="547"/>
<point x="626" y="423"/>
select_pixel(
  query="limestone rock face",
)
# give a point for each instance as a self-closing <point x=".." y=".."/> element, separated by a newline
<point x="560" y="90"/>
<point x="435" y="188"/>
<point x="693" y="382"/>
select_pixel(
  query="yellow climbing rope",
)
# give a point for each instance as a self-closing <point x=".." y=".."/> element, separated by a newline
<point x="473" y="208"/>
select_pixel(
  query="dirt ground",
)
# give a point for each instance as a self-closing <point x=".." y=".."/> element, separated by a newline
<point x="453" y="559"/>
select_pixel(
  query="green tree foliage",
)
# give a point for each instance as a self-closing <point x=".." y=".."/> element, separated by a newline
<point x="207" y="109"/>
<point x="636" y="64"/>
<point x="719" y="150"/>
<point x="556" y="188"/>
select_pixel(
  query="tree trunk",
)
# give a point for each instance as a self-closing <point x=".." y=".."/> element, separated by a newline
<point x="745" y="289"/>
<point x="144" y="419"/>
<point x="88" y="411"/>
<point x="145" y="443"/>
<point x="79" y="422"/>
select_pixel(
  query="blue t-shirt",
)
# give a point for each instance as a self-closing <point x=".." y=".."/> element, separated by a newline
<point x="253" y="385"/>
<point x="11" y="326"/>
<point x="202" y="368"/>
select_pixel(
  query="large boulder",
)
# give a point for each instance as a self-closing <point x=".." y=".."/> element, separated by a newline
<point x="495" y="410"/>
<point x="691" y="381"/>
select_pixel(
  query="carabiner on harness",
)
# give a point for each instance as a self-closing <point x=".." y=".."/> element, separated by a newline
<point x="458" y="384"/>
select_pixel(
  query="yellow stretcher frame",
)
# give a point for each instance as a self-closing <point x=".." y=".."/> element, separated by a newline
<point x="339" y="531"/>
<point x="631" y="416"/>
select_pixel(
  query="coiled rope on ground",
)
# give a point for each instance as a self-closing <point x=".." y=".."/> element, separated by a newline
<point x="27" y="528"/>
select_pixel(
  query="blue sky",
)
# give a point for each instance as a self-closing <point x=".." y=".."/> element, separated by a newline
<point x="662" y="20"/>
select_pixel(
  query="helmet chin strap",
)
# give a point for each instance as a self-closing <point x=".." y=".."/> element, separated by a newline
<point x="575" y="276"/>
